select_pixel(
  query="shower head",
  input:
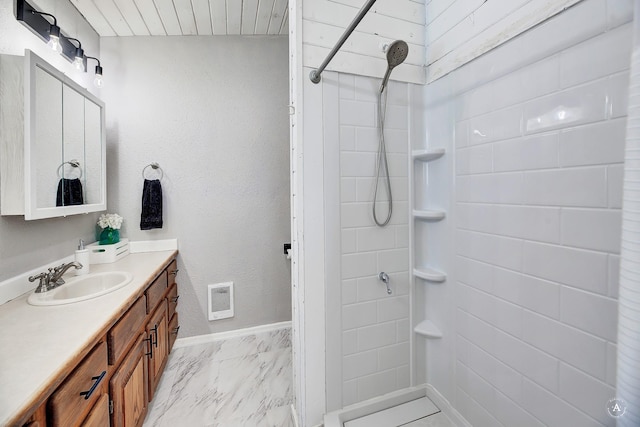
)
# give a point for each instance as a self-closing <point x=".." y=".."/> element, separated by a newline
<point x="396" y="54"/>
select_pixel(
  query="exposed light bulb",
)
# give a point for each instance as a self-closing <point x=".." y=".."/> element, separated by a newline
<point x="54" y="38"/>
<point x="78" y="62"/>
<point x="98" y="81"/>
<point x="54" y="44"/>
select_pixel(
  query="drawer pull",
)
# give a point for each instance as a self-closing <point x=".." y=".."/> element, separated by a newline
<point x="174" y="272"/>
<point x="150" y="353"/>
<point x="87" y="394"/>
<point x="155" y="332"/>
<point x="175" y="330"/>
<point x="175" y="299"/>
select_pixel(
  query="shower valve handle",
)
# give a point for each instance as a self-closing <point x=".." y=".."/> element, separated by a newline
<point x="384" y="277"/>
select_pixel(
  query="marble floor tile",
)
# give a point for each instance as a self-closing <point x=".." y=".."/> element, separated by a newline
<point x="244" y="381"/>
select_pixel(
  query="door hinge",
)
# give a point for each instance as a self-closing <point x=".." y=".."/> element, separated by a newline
<point x="111" y="407"/>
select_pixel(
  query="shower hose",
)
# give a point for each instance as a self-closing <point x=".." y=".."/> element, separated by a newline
<point x="382" y="166"/>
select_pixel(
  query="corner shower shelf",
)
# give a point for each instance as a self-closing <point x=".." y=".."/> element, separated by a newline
<point x="429" y="215"/>
<point x="430" y="275"/>
<point x="428" y="329"/>
<point x="428" y="155"/>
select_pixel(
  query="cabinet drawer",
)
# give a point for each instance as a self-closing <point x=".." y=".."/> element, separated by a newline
<point x="126" y="330"/>
<point x="99" y="415"/>
<point x="174" y="327"/>
<point x="155" y="291"/>
<point x="70" y="403"/>
<point x="172" y="299"/>
<point x="172" y="272"/>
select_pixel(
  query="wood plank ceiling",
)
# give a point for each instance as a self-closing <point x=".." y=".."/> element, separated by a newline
<point x="112" y="18"/>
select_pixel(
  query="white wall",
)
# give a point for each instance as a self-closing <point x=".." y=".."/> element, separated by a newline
<point x="367" y="330"/>
<point x="212" y="111"/>
<point x="324" y="21"/>
<point x="374" y="325"/>
<point x="27" y="245"/>
<point x="457" y="31"/>
<point x="538" y="129"/>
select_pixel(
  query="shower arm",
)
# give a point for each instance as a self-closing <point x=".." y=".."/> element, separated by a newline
<point x="314" y="75"/>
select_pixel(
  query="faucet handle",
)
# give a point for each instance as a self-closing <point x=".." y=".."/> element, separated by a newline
<point x="38" y="276"/>
<point x="43" y="285"/>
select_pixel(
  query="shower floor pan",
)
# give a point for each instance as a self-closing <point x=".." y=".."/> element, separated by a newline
<point x="391" y="410"/>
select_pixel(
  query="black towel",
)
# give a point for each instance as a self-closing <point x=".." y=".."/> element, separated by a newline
<point x="69" y="192"/>
<point x="151" y="205"/>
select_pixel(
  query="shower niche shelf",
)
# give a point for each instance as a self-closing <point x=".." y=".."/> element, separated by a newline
<point x="427" y="329"/>
<point x="430" y="274"/>
<point x="427" y="155"/>
<point x="429" y="215"/>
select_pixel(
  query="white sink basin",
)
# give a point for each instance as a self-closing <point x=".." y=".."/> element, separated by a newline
<point x="82" y="288"/>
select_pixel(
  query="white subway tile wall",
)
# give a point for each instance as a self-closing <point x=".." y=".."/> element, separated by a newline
<point x="538" y="166"/>
<point x="375" y="325"/>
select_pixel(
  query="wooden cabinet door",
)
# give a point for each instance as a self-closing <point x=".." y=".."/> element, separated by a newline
<point x="157" y="331"/>
<point x="99" y="415"/>
<point x="128" y="387"/>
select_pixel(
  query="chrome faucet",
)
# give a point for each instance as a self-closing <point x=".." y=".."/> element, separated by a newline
<point x="53" y="278"/>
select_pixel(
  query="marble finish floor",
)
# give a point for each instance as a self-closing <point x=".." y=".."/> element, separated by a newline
<point x="245" y="381"/>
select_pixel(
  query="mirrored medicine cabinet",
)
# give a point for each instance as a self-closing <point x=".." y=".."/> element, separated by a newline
<point x="52" y="142"/>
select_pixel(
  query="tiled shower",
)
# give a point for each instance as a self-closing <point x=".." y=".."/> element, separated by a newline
<point x="530" y="186"/>
<point x="538" y="179"/>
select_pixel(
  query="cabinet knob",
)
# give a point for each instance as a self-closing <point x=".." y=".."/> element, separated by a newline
<point x="174" y="272"/>
<point x="175" y="330"/>
<point x="175" y="299"/>
<point x="96" y="380"/>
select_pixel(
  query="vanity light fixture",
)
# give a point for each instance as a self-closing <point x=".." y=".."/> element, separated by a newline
<point x="36" y="21"/>
<point x="98" y="81"/>
<point x="79" y="60"/>
<point x="51" y="34"/>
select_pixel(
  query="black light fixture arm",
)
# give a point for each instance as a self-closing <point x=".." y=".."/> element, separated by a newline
<point x="99" y="82"/>
<point x="55" y="21"/>
<point x="98" y="67"/>
<point x="76" y="40"/>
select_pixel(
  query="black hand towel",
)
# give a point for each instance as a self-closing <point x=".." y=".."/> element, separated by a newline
<point x="69" y="192"/>
<point x="151" y="205"/>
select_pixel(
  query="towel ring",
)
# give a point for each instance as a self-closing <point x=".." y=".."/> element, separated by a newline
<point x="74" y="163"/>
<point x="154" y="166"/>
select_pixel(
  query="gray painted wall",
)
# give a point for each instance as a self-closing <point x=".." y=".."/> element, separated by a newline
<point x="220" y="132"/>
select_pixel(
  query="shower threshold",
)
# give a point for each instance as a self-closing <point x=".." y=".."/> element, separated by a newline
<point x="400" y="408"/>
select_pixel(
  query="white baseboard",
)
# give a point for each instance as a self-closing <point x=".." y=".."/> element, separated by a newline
<point x="218" y="336"/>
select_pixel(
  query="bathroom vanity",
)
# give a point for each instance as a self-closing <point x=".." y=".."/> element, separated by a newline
<point x="95" y="362"/>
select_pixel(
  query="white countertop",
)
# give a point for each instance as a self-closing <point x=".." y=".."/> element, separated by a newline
<point x="36" y="342"/>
